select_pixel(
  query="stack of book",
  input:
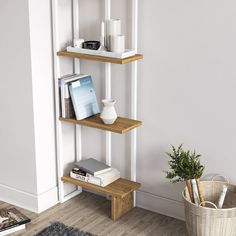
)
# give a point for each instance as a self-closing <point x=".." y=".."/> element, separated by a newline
<point x="77" y="97"/>
<point x="94" y="172"/>
<point x="12" y="220"/>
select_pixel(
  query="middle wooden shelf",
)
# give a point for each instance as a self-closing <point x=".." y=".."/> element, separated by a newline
<point x="121" y="125"/>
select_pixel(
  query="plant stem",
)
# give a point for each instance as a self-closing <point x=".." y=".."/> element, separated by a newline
<point x="200" y="192"/>
<point x="190" y="190"/>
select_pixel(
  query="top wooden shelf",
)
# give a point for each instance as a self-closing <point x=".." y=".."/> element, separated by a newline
<point x="100" y="58"/>
<point x="119" y="188"/>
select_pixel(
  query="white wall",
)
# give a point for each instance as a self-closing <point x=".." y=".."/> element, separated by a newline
<point x="17" y="136"/>
<point x="27" y="153"/>
<point x="187" y="88"/>
<point x="186" y="92"/>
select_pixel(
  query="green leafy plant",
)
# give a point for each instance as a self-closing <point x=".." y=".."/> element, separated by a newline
<point x="184" y="165"/>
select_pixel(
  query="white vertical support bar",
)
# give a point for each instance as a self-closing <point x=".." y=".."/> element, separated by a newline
<point x="78" y="140"/>
<point x="107" y="9"/>
<point x="135" y="25"/>
<point x="75" y="18"/>
<point x="134" y="91"/>
<point x="75" y="12"/>
<point x="56" y="48"/>
<point x="108" y="86"/>
<point x="108" y="96"/>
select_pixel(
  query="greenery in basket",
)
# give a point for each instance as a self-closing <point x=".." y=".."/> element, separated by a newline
<point x="184" y="165"/>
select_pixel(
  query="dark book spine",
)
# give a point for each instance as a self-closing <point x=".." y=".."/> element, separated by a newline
<point x="69" y="109"/>
<point x="79" y="171"/>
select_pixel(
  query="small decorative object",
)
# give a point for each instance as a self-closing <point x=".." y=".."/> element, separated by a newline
<point x="222" y="196"/>
<point x="113" y="27"/>
<point x="195" y="192"/>
<point x="186" y="166"/>
<point x="108" y="114"/>
<point x="102" y="37"/>
<point x="118" y="43"/>
<point x="78" y="43"/>
<point x="92" y="45"/>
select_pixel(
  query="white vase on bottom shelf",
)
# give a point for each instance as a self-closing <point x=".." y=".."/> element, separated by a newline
<point x="108" y="114"/>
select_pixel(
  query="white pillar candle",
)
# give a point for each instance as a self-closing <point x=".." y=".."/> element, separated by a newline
<point x="113" y="27"/>
<point x="117" y="43"/>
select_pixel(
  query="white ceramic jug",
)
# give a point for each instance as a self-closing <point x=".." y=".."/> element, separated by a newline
<point x="108" y="114"/>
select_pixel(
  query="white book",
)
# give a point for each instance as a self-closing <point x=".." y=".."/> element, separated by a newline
<point x="88" y="178"/>
<point x="100" y="181"/>
<point x="64" y="92"/>
<point x="108" y="177"/>
<point x="108" y="174"/>
<point x="12" y="230"/>
<point x="106" y="182"/>
<point x="94" y="180"/>
<point x="79" y="177"/>
<point x="93" y="166"/>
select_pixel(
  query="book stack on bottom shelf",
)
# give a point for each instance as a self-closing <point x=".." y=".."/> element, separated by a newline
<point x="94" y="172"/>
<point x="12" y="220"/>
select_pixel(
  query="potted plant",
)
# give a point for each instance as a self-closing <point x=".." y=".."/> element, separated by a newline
<point x="185" y="166"/>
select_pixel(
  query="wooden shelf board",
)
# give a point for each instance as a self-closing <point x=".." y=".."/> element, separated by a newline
<point x="100" y="58"/>
<point x="121" y="125"/>
<point x="119" y="188"/>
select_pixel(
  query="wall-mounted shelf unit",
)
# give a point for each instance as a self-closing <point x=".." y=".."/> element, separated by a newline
<point x="122" y="191"/>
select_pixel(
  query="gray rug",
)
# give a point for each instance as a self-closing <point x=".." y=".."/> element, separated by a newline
<point x="59" y="229"/>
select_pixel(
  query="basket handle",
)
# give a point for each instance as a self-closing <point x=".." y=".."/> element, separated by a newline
<point x="208" y="202"/>
<point x="216" y="176"/>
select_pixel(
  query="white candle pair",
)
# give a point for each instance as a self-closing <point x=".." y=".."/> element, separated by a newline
<point x="113" y="40"/>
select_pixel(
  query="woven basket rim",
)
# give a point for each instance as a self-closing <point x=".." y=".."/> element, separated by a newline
<point x="208" y="208"/>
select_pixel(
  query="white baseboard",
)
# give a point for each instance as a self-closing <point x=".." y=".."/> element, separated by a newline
<point x="18" y="198"/>
<point x="40" y="203"/>
<point x="34" y="203"/>
<point x="160" y="205"/>
<point x="47" y="199"/>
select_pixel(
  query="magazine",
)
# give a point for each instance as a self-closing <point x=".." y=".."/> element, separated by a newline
<point x="84" y="98"/>
<point x="11" y="218"/>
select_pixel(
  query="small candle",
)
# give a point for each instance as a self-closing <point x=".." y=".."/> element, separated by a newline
<point x="102" y="34"/>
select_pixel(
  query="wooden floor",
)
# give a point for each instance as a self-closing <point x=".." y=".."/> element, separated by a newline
<point x="90" y="213"/>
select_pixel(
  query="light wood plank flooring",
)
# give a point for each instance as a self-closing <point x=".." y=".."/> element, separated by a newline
<point x="90" y="213"/>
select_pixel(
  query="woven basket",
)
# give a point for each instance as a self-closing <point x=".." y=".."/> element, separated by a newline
<point x="205" y="221"/>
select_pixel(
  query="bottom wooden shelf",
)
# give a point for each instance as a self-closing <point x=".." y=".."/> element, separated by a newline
<point x="121" y="191"/>
<point x="119" y="188"/>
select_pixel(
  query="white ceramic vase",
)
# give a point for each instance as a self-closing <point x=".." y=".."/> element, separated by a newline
<point x="108" y="114"/>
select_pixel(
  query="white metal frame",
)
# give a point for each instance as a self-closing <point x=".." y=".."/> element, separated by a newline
<point x="56" y="46"/>
<point x="134" y="97"/>
<point x="108" y="86"/>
